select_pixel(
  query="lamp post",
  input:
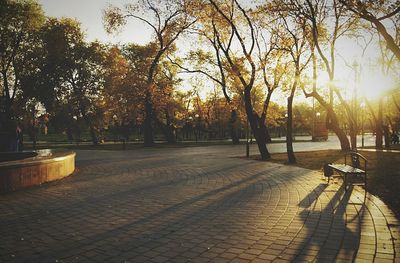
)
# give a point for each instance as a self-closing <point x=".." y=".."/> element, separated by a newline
<point x="355" y="106"/>
<point x="247" y="139"/>
<point x="316" y="127"/>
<point x="190" y="122"/>
<point x="115" y="128"/>
<point x="197" y="117"/>
<point x="77" y="130"/>
<point x="286" y="121"/>
<point x="362" y="106"/>
<point x="313" y="120"/>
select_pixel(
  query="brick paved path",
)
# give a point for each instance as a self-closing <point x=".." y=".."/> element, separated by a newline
<point x="193" y="204"/>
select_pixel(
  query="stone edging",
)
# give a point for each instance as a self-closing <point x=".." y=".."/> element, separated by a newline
<point x="55" y="165"/>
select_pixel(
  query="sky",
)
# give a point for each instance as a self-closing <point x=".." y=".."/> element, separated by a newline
<point x="89" y="13"/>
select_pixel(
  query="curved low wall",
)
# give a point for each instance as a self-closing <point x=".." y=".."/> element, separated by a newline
<point x="48" y="165"/>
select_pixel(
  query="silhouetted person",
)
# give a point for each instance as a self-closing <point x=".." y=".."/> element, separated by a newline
<point x="33" y="132"/>
<point x="386" y="134"/>
<point x="395" y="138"/>
<point x="20" y="138"/>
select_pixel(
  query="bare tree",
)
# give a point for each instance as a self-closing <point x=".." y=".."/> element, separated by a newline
<point x="168" y="21"/>
<point x="272" y="65"/>
<point x="294" y="40"/>
<point x="316" y="12"/>
<point x="246" y="41"/>
<point x="207" y="62"/>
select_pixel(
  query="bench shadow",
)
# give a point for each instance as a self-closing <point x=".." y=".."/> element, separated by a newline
<point x="331" y="238"/>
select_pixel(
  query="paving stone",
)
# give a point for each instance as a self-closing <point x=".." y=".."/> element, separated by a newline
<point x="200" y="204"/>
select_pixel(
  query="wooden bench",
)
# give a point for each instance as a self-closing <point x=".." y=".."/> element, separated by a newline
<point x="353" y="172"/>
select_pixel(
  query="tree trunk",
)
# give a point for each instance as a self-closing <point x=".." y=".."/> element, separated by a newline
<point x="233" y="127"/>
<point x="332" y="122"/>
<point x="353" y="135"/>
<point x="169" y="134"/>
<point x="93" y="135"/>
<point x="386" y="134"/>
<point x="92" y="130"/>
<point x="258" y="129"/>
<point x="148" y="121"/>
<point x="264" y="115"/>
<point x="289" y="133"/>
<point x="168" y="129"/>
<point x="379" y="127"/>
<point x="333" y="125"/>
<point x="6" y="123"/>
<point x="395" y="103"/>
<point x="267" y="136"/>
<point x="257" y="126"/>
<point x="390" y="41"/>
<point x="5" y="134"/>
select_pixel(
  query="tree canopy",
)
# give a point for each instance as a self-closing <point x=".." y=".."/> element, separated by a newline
<point x="250" y="59"/>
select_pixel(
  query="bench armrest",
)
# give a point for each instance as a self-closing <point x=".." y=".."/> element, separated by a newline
<point x="359" y="156"/>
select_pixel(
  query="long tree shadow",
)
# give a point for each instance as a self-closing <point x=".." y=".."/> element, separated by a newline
<point x="191" y="219"/>
<point x="331" y="238"/>
<point x="110" y="195"/>
<point x="218" y="202"/>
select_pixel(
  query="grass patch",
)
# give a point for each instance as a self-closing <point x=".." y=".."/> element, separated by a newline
<point x="383" y="171"/>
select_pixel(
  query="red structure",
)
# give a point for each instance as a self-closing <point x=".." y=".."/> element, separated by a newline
<point x="320" y="131"/>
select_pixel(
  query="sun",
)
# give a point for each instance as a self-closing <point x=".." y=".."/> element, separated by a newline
<point x="373" y="85"/>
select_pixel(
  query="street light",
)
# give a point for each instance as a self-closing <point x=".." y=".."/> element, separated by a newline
<point x="197" y="117"/>
<point x="355" y="105"/>
<point x="190" y="125"/>
<point x="247" y="138"/>
<point x="285" y="130"/>
<point x="362" y="106"/>
<point x="316" y="134"/>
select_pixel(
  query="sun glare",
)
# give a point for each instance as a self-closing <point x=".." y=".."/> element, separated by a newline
<point x="374" y="85"/>
<point x="371" y="84"/>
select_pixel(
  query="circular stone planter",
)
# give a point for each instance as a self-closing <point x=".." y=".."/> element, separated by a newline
<point x="34" y="168"/>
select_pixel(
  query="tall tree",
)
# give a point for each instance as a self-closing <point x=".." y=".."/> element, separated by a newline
<point x="272" y="65"/>
<point x="168" y="20"/>
<point x="294" y="40"/>
<point x="329" y="22"/>
<point x="19" y="23"/>
<point x="76" y="70"/>
<point x="212" y="65"/>
<point x="233" y="13"/>
<point x="164" y="101"/>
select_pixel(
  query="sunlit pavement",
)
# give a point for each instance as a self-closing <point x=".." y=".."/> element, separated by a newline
<point x="303" y="145"/>
<point x="200" y="204"/>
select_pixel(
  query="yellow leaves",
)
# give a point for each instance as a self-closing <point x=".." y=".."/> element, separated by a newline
<point x="200" y="57"/>
<point x="113" y="19"/>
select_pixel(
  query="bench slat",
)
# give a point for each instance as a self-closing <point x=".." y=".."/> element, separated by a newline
<point x="346" y="169"/>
